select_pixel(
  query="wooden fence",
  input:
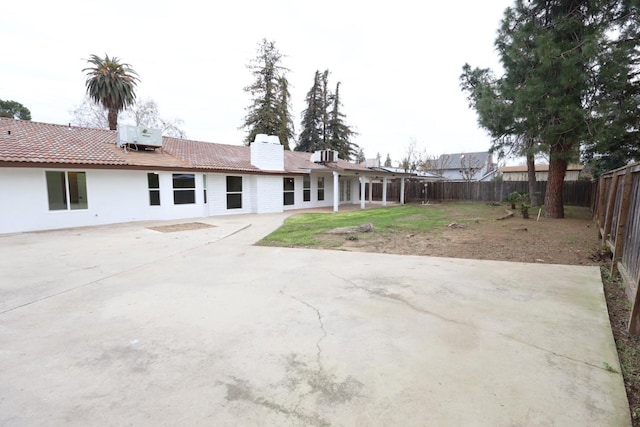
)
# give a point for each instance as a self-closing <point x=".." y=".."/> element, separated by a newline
<point x="616" y="211"/>
<point x="577" y="193"/>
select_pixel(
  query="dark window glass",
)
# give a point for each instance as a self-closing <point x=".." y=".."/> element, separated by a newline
<point x="185" y="180"/>
<point x="184" y="197"/>
<point x="320" y="188"/>
<point x="289" y="198"/>
<point x="289" y="184"/>
<point x="153" y="180"/>
<point x="306" y="192"/>
<point x="234" y="201"/>
<point x="234" y="184"/>
<point x="184" y="185"/>
<point x="234" y="192"/>
<point x="154" y="197"/>
<point x="289" y="187"/>
<point x="204" y="186"/>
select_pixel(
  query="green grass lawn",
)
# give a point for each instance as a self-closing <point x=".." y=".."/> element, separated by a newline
<point x="303" y="229"/>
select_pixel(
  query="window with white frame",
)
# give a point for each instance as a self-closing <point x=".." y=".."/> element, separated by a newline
<point x="153" y="181"/>
<point x="320" y="188"/>
<point x="306" y="188"/>
<point x="289" y="191"/>
<point x="234" y="192"/>
<point x="184" y="188"/>
<point x="345" y="190"/>
<point x="204" y="187"/>
<point x="66" y="190"/>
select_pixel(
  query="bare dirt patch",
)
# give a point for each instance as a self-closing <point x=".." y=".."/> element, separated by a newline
<point x="571" y="240"/>
<point x="187" y="226"/>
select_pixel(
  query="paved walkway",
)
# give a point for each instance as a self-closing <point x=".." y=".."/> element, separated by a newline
<point x="123" y="325"/>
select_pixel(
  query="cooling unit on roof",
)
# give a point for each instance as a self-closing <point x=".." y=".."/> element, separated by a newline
<point x="139" y="138"/>
<point x="324" y="156"/>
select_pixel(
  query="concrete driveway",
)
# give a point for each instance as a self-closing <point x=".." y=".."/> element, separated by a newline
<point x="123" y="325"/>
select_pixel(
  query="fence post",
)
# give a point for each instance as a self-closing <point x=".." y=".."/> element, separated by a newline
<point x="600" y="211"/>
<point x="611" y="202"/>
<point x="622" y="221"/>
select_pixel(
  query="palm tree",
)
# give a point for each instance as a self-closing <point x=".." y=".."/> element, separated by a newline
<point x="111" y="84"/>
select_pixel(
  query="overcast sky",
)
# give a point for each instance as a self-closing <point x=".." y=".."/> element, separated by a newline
<point x="398" y="61"/>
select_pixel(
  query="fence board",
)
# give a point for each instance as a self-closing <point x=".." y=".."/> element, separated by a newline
<point x="575" y="192"/>
<point x="618" y="217"/>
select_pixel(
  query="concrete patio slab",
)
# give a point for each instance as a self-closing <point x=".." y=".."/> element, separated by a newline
<point x="123" y="325"/>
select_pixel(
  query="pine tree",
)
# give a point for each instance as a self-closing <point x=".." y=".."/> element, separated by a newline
<point x="339" y="134"/>
<point x="285" y="131"/>
<point x="269" y="111"/>
<point x="311" y="135"/>
<point x="387" y="161"/>
<point x="616" y="94"/>
<point x="323" y="124"/>
<point x="549" y="51"/>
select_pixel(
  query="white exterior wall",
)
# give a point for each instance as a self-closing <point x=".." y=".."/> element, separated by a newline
<point x="269" y="193"/>
<point x="217" y="195"/>
<point x="113" y="196"/>
<point x="299" y="193"/>
<point x="116" y="196"/>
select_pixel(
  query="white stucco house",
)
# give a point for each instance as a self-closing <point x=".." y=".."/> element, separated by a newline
<point x="57" y="176"/>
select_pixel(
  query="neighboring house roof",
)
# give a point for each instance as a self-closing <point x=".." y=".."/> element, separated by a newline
<point x="418" y="173"/>
<point x="539" y="168"/>
<point x="455" y="160"/>
<point x="26" y="142"/>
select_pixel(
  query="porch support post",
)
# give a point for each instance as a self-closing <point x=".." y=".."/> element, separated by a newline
<point x="363" y="196"/>
<point x="384" y="191"/>
<point x="370" y="191"/>
<point x="402" y="191"/>
<point x="336" y="191"/>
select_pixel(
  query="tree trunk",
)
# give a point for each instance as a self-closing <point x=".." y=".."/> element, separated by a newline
<point x="554" y="200"/>
<point x="531" y="177"/>
<point x="113" y="119"/>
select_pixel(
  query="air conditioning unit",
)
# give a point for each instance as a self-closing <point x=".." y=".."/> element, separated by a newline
<point x="324" y="156"/>
<point x="138" y="136"/>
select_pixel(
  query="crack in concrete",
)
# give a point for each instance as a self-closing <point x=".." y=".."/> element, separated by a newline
<point x="241" y="390"/>
<point x="383" y="293"/>
<point x="319" y="315"/>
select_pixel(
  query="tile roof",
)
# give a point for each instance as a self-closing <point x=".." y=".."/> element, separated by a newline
<point x="26" y="142"/>
<point x="32" y="142"/>
<point x="206" y="155"/>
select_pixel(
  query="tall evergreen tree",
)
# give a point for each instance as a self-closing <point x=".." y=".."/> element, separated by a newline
<point x="286" y="131"/>
<point x="548" y="49"/>
<point x="269" y="110"/>
<point x="323" y="124"/>
<point x="615" y="96"/>
<point x="339" y="134"/>
<point x="387" y="161"/>
<point x="311" y="133"/>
